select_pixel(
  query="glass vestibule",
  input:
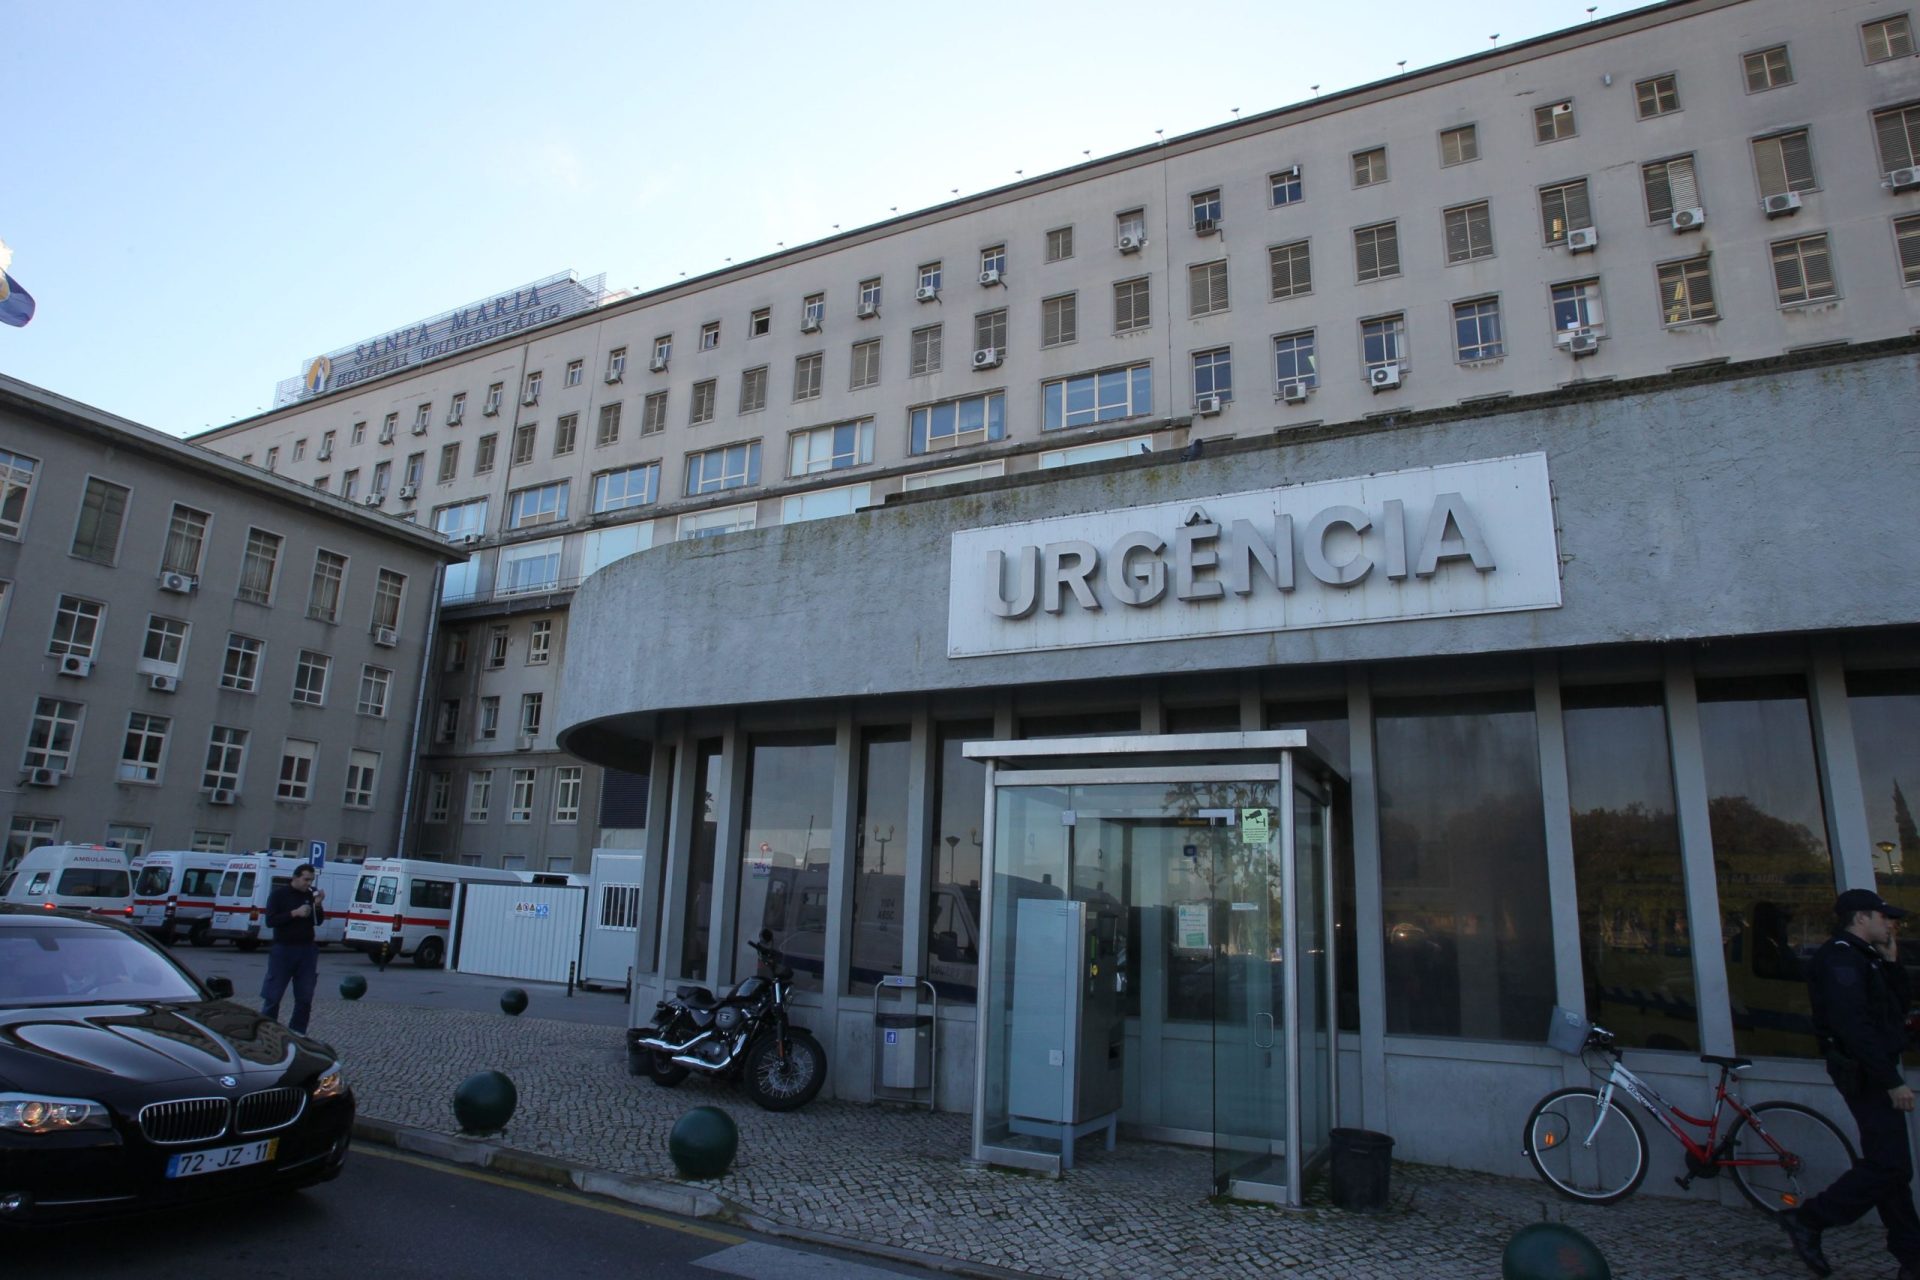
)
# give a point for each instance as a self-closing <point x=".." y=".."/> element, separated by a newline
<point x="1158" y="926"/>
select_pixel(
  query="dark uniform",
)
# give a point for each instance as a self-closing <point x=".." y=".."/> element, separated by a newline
<point x="295" y="957"/>
<point x="1859" y="1014"/>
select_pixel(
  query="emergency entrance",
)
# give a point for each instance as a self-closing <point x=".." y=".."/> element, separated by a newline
<point x="1158" y="952"/>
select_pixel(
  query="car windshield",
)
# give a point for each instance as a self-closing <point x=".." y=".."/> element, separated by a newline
<point x="84" y="965"/>
<point x="155" y="879"/>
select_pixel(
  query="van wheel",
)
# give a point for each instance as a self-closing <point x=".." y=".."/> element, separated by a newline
<point x="198" y="935"/>
<point x="429" y="954"/>
<point x="247" y="944"/>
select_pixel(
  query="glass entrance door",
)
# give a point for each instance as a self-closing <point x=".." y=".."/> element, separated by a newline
<point x="1250" y="1045"/>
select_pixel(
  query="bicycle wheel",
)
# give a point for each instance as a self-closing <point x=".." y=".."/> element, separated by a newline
<point x="1803" y="1153"/>
<point x="1597" y="1165"/>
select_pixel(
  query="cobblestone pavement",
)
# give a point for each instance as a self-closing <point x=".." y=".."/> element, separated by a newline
<point x="892" y="1176"/>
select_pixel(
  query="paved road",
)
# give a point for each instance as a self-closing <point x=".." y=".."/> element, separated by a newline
<point x="392" y="1214"/>
<point x="402" y="983"/>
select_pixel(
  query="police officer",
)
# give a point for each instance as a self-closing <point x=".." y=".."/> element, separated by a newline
<point x="1859" y="995"/>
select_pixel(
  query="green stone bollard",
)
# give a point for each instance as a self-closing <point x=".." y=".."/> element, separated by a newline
<point x="1551" y="1251"/>
<point x="513" y="1002"/>
<point x="703" y="1143"/>
<point x="484" y="1102"/>
<point x="352" y="987"/>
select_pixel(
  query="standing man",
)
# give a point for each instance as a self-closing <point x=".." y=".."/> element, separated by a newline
<point x="292" y="911"/>
<point x="1859" y="997"/>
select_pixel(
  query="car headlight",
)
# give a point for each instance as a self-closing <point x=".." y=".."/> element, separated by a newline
<point x="31" y="1113"/>
<point x="331" y="1083"/>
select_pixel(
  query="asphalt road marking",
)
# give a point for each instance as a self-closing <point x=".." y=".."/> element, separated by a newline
<point x="565" y="1197"/>
<point x="756" y="1261"/>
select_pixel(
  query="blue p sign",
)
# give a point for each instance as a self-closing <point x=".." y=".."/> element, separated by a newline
<point x="317" y="853"/>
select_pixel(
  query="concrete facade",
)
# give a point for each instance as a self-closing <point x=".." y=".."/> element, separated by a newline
<point x="1483" y="313"/>
<point x="126" y="599"/>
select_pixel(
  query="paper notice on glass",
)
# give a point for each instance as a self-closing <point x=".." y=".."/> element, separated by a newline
<point x="1191" y="926"/>
<point x="1255" y="825"/>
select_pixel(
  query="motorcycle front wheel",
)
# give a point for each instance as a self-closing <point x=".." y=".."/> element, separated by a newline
<point x="783" y="1084"/>
<point x="663" y="1070"/>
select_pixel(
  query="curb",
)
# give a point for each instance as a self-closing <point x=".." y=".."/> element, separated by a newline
<point x="647" y="1193"/>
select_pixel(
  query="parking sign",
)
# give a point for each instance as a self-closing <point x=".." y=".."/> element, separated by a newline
<point x="317" y="853"/>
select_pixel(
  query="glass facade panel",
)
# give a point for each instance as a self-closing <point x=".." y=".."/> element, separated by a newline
<point x="959" y="806"/>
<point x="1770" y="856"/>
<point x="1464" y="867"/>
<point x="1886" y="733"/>
<point x="786" y="849"/>
<point x="880" y="908"/>
<point x="698" y="911"/>
<point x="1635" y="948"/>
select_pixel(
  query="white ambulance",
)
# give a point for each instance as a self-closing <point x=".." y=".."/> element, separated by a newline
<point x="240" y="903"/>
<point x="173" y="894"/>
<point x="404" y="906"/>
<point x="80" y="877"/>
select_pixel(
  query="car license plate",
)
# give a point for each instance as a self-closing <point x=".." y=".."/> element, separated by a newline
<point x="371" y="932"/>
<point x="188" y="1163"/>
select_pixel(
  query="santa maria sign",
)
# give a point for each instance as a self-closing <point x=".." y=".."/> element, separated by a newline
<point x="1465" y="538"/>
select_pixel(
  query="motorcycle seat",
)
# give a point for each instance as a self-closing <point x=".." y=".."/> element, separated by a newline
<point x="695" y="997"/>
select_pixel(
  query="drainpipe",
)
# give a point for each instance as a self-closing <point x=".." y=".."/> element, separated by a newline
<point x="419" y="712"/>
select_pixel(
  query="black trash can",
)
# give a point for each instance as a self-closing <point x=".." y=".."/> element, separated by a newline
<point x="1362" y="1163"/>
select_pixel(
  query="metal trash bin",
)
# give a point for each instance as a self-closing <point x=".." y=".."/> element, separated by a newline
<point x="906" y="1050"/>
<point x="1362" y="1168"/>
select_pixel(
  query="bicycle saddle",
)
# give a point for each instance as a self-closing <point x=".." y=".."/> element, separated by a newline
<point x="1731" y="1064"/>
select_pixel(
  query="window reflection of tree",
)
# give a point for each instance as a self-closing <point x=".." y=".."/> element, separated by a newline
<point x="1245" y="944"/>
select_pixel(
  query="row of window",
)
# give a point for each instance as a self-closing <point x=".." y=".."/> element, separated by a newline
<point x="498" y="638"/>
<point x="521" y="790"/>
<point x="53" y="741"/>
<point x="487" y="725"/>
<point x="1783" y="165"/>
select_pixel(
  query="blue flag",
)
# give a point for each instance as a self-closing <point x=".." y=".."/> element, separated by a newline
<point x="16" y="304"/>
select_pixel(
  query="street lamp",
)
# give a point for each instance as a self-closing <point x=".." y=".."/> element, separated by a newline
<point x="882" y="840"/>
<point x="1886" y="848"/>
<point x="953" y="844"/>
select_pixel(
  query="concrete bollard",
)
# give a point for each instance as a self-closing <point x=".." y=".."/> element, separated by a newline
<point x="484" y="1102"/>
<point x="1552" y="1251"/>
<point x="703" y="1143"/>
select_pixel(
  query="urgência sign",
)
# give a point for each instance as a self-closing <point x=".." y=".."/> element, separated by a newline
<point x="1460" y="539"/>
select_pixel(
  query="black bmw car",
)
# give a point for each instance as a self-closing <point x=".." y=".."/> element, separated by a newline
<point x="127" y="1084"/>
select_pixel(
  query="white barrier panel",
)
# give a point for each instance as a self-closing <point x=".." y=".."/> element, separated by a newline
<point x="613" y="917"/>
<point x="529" y="931"/>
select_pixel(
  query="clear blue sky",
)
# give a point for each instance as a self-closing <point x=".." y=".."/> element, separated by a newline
<point x="202" y="195"/>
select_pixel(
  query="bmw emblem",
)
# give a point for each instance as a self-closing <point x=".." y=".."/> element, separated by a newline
<point x="228" y="1082"/>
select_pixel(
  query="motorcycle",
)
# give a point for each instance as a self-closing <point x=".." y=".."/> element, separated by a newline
<point x="746" y="1032"/>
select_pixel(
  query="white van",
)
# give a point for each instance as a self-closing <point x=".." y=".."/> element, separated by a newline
<point x="404" y="907"/>
<point x="240" y="904"/>
<point x="80" y="877"/>
<point x="173" y="894"/>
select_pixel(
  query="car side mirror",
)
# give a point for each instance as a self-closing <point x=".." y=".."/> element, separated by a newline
<point x="222" y="988"/>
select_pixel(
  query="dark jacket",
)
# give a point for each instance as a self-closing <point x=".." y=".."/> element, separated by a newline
<point x="289" y="930"/>
<point x="1859" y="1014"/>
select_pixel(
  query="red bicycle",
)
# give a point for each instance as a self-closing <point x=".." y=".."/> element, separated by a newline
<point x="1589" y="1148"/>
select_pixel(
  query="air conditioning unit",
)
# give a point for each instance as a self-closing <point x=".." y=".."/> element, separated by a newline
<point x="1689" y="219"/>
<point x="164" y="684"/>
<point x="532" y="397"/>
<point x="325" y="453"/>
<point x="178" y="583"/>
<point x="523" y="743"/>
<point x="72" y="664"/>
<point x="467" y="539"/>
<point x="419" y="428"/>
<point x="989" y="278"/>
<point x="1208" y="406"/>
<point x="386" y="437"/>
<point x="987" y="358"/>
<point x="1904" y="179"/>
<point x="658" y="364"/>
<point x="809" y="324"/>
<point x="1205" y="226"/>
<point x="1384" y="378"/>
<point x="927" y="293"/>
<point x="1132" y="244"/>
<point x="1780" y="206"/>
<point x="1580" y="342"/>
<point x="1583" y="239"/>
<point x="454" y="419"/>
<point x="407" y="491"/>
<point x="386" y="637"/>
<point x="616" y="375"/>
<point x="42" y="777"/>
<point x="491" y="411"/>
<point x="1295" y="392"/>
<point x="374" y="499"/>
<point x="867" y="310"/>
<point x="220" y="795"/>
